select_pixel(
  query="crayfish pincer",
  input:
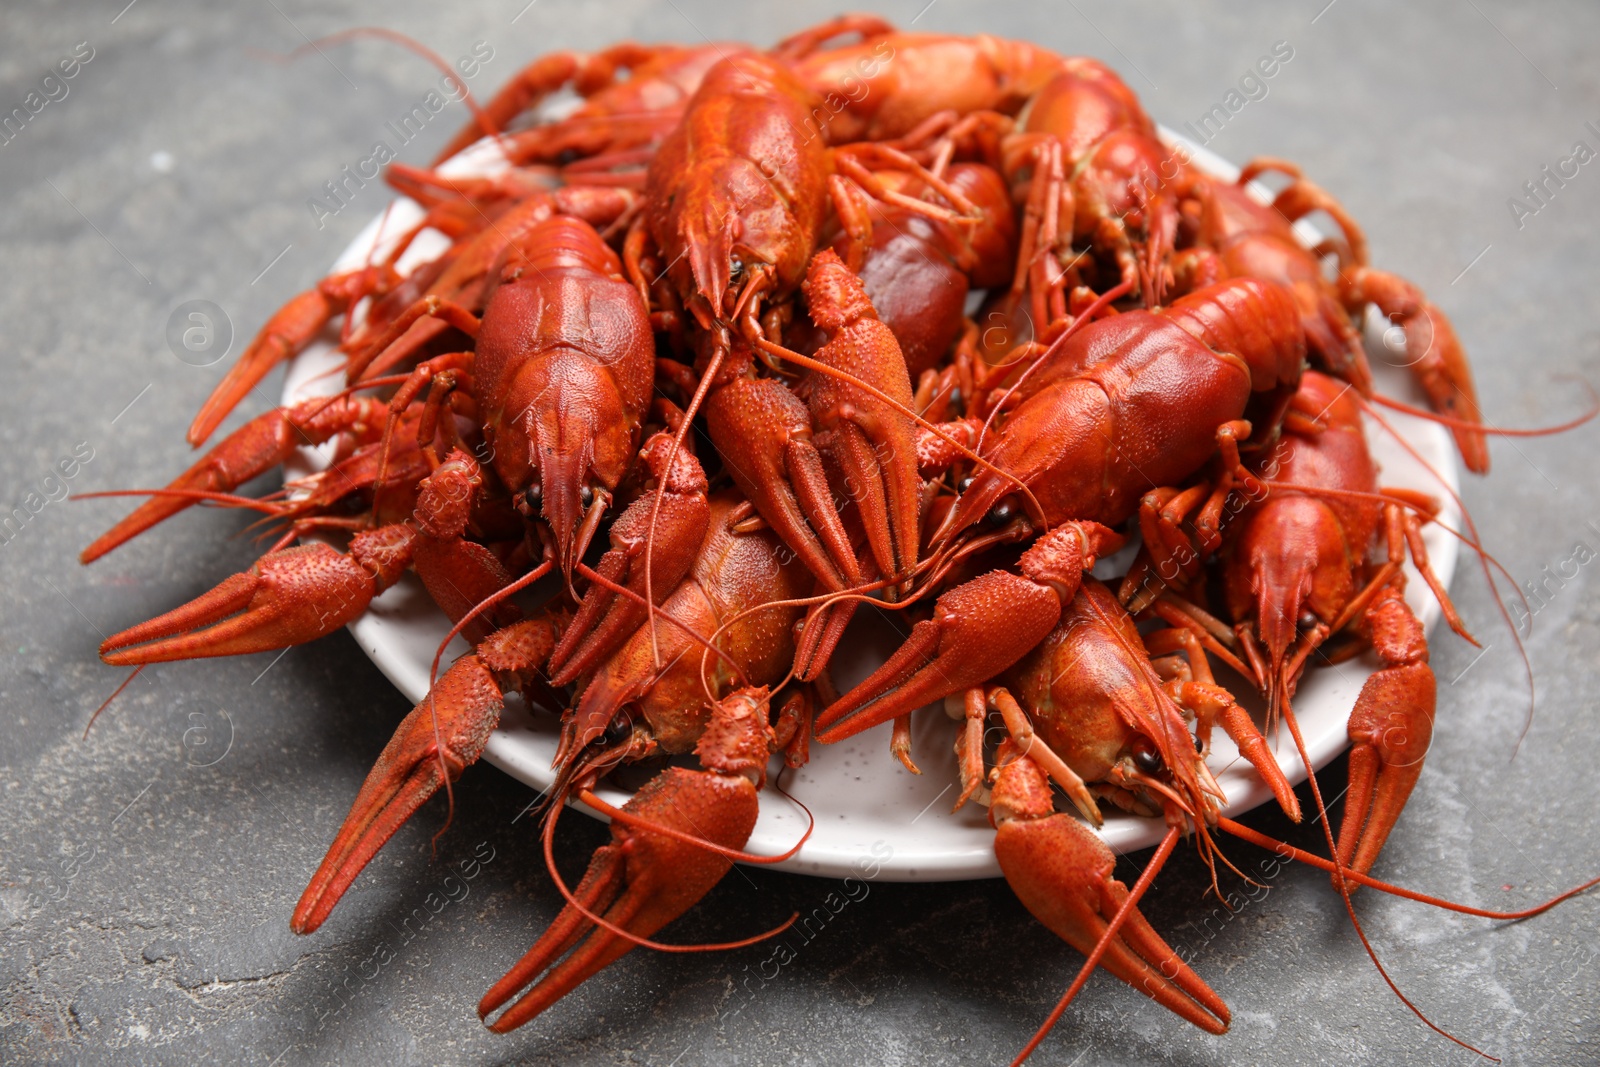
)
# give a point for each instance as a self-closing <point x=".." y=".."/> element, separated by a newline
<point x="1062" y="874"/>
<point x="978" y="630"/>
<point x="669" y="846"/>
<point x="443" y="735"/>
<point x="870" y="440"/>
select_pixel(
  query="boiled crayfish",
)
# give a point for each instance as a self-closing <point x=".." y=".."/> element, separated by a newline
<point x="778" y="248"/>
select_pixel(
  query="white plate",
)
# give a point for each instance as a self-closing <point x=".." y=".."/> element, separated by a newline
<point x="869" y="811"/>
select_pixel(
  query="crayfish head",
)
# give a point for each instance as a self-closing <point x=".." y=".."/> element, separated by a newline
<point x="1094" y="700"/>
<point x="1290" y="574"/>
<point x="706" y="241"/>
<point x="571" y="504"/>
<point x="738" y="738"/>
<point x="1162" y="771"/>
<point x="578" y="458"/>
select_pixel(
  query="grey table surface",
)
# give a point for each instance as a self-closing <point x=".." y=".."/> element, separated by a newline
<point x="147" y="872"/>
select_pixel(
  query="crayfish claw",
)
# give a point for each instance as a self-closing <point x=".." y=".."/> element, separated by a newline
<point x="1433" y="353"/>
<point x="1390" y="730"/>
<point x="639" y="882"/>
<point x="601" y="885"/>
<point x="978" y="630"/>
<point x="679" y="508"/>
<point x="644" y="878"/>
<point x="441" y="737"/>
<point x="1062" y="873"/>
<point x="292" y="327"/>
<point x="250" y="451"/>
<point x="288" y="597"/>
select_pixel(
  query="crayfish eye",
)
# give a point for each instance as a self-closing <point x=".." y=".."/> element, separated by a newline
<point x="964" y="484"/>
<point x="1146" y="757"/>
<point x="1199" y="747"/>
<point x="1001" y="513"/>
<point x="1307" y="620"/>
<point x="586" y="497"/>
<point x="618" y="730"/>
<point x="530" y="499"/>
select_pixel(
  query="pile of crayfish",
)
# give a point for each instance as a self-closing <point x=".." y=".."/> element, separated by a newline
<point x="737" y="340"/>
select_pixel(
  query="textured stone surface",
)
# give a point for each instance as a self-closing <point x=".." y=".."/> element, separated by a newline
<point x="147" y="873"/>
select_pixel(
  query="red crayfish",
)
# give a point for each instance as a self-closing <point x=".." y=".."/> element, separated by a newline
<point x="771" y="253"/>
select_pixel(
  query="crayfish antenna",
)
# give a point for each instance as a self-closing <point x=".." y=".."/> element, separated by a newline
<point x="108" y="700"/>
<point x="679" y="433"/>
<point x="484" y="123"/>
<point x="1452" y="423"/>
<point x="1342" y="878"/>
<point x="1471" y="433"/>
<point x="1283" y="848"/>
